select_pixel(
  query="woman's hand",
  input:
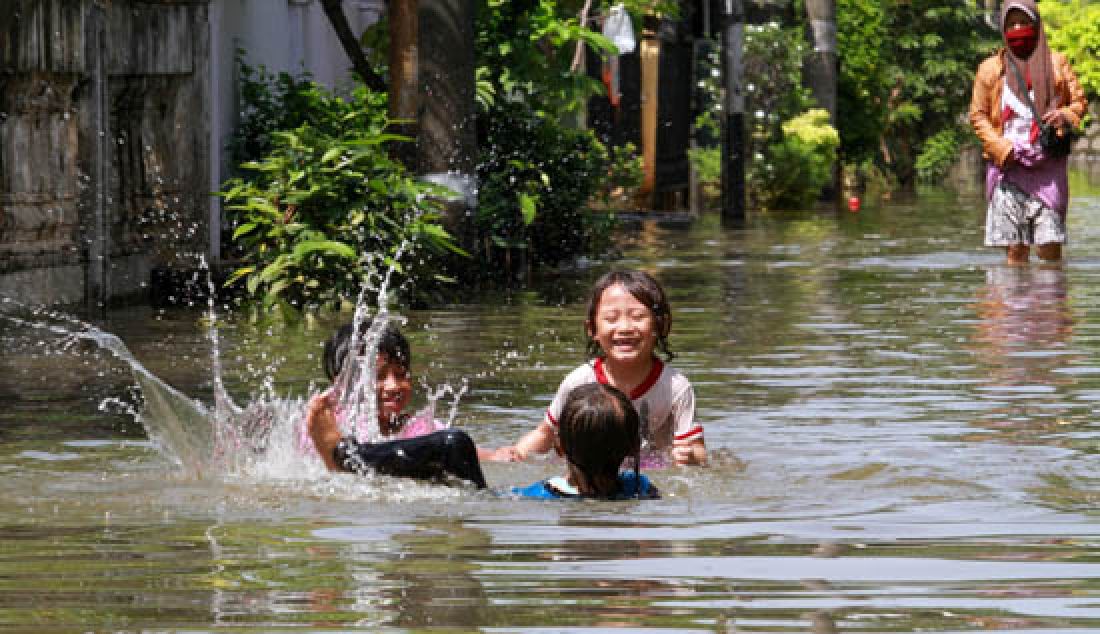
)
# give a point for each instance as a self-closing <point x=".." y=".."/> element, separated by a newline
<point x="1026" y="155"/>
<point x="1056" y="117"/>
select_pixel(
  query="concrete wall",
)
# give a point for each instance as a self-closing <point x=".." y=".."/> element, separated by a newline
<point x="114" y="118"/>
<point x="1086" y="152"/>
<point x="103" y="144"/>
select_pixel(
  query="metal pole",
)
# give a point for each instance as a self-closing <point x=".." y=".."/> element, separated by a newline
<point x="97" y="289"/>
<point x="733" y="133"/>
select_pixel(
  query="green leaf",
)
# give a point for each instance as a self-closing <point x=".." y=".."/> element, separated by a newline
<point x="527" y="207"/>
<point x="333" y="247"/>
<point x="243" y="229"/>
<point x="271" y="271"/>
<point x="238" y="274"/>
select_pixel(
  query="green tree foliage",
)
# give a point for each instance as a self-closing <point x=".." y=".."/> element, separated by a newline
<point x="537" y="171"/>
<point x="536" y="178"/>
<point x="800" y="163"/>
<point x="323" y="201"/>
<point x="906" y="74"/>
<point x="790" y="145"/>
<point x="1073" y="28"/>
<point x="864" y="81"/>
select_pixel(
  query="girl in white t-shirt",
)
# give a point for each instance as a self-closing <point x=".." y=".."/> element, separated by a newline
<point x="628" y="323"/>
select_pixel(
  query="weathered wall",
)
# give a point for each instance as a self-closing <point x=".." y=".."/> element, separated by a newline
<point x="1086" y="152"/>
<point x="104" y="145"/>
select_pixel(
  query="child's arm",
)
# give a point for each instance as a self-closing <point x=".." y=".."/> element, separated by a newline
<point x="693" y="452"/>
<point x="501" y="454"/>
<point x="323" y="428"/>
<point x="539" y="440"/>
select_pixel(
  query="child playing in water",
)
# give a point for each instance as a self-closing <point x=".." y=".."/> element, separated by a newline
<point x="421" y="448"/>
<point x="628" y="321"/>
<point x="598" y="429"/>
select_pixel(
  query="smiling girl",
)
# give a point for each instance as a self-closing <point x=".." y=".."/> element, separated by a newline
<point x="628" y="322"/>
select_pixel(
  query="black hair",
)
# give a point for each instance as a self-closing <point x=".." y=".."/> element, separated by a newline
<point x="599" y="428"/>
<point x="646" y="290"/>
<point x="391" y="343"/>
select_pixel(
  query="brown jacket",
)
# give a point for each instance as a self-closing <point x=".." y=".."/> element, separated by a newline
<point x="985" y="104"/>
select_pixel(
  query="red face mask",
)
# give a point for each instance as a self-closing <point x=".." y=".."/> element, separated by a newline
<point x="1022" y="41"/>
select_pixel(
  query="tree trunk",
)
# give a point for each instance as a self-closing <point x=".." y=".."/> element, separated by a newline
<point x="404" y="75"/>
<point x="334" y="10"/>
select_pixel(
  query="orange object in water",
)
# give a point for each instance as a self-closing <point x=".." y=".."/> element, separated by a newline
<point x="853" y="203"/>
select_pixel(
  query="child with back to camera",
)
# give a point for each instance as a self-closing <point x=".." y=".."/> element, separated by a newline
<point x="628" y="321"/>
<point x="420" y="447"/>
<point x="598" y="430"/>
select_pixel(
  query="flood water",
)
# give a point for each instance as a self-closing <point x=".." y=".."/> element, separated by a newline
<point x="902" y="430"/>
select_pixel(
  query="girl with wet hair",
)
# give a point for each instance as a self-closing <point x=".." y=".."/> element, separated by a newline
<point x="598" y="430"/>
<point x="1018" y="91"/>
<point x="392" y="344"/>
<point x="420" y="448"/>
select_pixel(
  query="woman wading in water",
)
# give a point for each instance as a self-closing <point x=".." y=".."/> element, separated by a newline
<point x="1018" y="91"/>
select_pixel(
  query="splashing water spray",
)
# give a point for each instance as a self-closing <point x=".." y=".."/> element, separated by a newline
<point x="176" y="424"/>
<point x="258" y="438"/>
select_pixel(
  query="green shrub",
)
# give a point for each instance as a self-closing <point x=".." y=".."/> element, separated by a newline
<point x="326" y="202"/>
<point x="536" y="178"/>
<point x="793" y="171"/>
<point x="1073" y="27"/>
<point x="789" y="147"/>
<point x="270" y="103"/>
<point x="939" y="153"/>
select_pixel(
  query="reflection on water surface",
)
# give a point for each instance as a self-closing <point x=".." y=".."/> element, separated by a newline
<point x="902" y="433"/>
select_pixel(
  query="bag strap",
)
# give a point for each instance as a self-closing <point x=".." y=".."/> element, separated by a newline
<point x="1027" y="93"/>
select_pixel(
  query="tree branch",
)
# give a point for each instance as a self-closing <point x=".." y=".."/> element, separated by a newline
<point x="334" y="9"/>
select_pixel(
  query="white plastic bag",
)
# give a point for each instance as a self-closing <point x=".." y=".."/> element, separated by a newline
<point x="618" y="28"/>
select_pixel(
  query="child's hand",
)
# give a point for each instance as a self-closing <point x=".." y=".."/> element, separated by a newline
<point x="323" y="427"/>
<point x="1056" y="118"/>
<point x="694" y="453"/>
<point x="319" y="403"/>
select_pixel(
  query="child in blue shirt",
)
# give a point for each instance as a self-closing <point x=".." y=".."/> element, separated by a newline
<point x="598" y="429"/>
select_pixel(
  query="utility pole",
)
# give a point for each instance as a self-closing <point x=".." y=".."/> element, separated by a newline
<point x="821" y="63"/>
<point x="820" y="68"/>
<point x="733" y="132"/>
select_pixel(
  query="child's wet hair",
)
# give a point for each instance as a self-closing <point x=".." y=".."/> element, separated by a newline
<point x="391" y="344"/>
<point x="599" y="428"/>
<point x="646" y="290"/>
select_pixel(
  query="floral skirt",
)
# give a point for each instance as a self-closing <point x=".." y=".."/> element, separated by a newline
<point x="1015" y="217"/>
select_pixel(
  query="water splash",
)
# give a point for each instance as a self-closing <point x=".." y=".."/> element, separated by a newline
<point x="179" y="426"/>
<point x="435" y="394"/>
<point x="261" y="438"/>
